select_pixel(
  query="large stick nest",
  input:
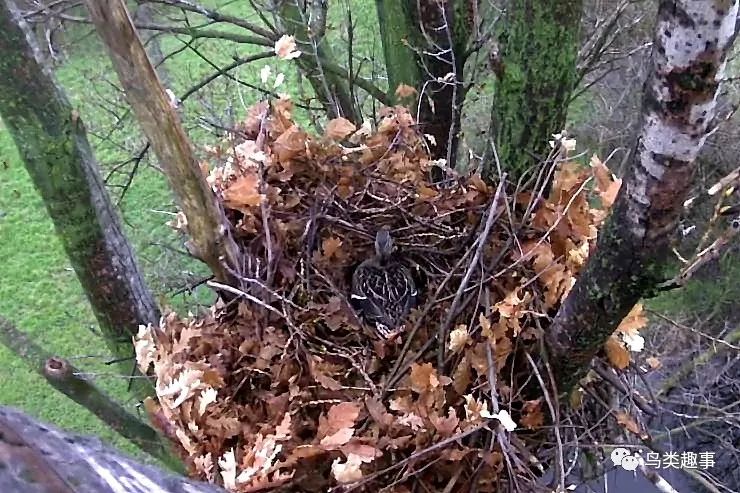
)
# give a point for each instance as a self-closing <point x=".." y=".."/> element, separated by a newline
<point x="282" y="386"/>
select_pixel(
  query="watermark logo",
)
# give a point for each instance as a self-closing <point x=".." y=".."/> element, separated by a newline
<point x="630" y="461"/>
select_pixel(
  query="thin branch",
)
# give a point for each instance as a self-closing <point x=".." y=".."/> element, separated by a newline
<point x="64" y="377"/>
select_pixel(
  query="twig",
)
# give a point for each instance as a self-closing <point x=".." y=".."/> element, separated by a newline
<point x="65" y="378"/>
<point x="481" y="243"/>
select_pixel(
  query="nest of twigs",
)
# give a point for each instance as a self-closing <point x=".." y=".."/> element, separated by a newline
<point x="282" y="387"/>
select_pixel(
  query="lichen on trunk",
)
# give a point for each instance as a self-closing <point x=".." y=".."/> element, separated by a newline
<point x="52" y="142"/>
<point x="538" y="52"/>
<point x="691" y="43"/>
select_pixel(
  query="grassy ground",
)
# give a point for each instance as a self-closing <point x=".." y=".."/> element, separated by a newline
<point x="40" y="292"/>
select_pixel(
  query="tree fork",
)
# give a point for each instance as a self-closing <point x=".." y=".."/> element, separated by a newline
<point x="692" y="40"/>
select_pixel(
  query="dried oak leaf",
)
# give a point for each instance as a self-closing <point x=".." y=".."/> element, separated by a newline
<point x="337" y="427"/>
<point x="290" y="144"/>
<point x="532" y="416"/>
<point x="445" y="426"/>
<point x="617" y="354"/>
<point x="404" y="91"/>
<point x="606" y="184"/>
<point x="634" y="321"/>
<point x="629" y="423"/>
<point x="331" y="247"/>
<point x="379" y="413"/>
<point x="243" y="193"/>
<point x="339" y="128"/>
<point x="348" y="471"/>
<point x="424" y="378"/>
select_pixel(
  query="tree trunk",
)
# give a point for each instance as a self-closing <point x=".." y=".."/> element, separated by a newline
<point x="53" y="144"/>
<point x="38" y="458"/>
<point x="308" y="26"/>
<point x="535" y="78"/>
<point x="692" y="40"/>
<point x="161" y="125"/>
<point x="424" y="44"/>
<point x="146" y="14"/>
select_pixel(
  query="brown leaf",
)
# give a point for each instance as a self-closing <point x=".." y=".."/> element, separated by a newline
<point x="653" y="362"/>
<point x="378" y="411"/>
<point x="634" y="321"/>
<point x="327" y="382"/>
<point x="339" y="128"/>
<point x="405" y="91"/>
<point x="243" y="193"/>
<point x="618" y="355"/>
<point x="347" y="472"/>
<point x="290" y="144"/>
<point x="423" y="378"/>
<point x="628" y="423"/>
<point x="445" y="426"/>
<point x="330" y="247"/>
<point x="532" y="416"/>
<point x="336" y="428"/>
<point x="340" y="437"/>
<point x="343" y="415"/>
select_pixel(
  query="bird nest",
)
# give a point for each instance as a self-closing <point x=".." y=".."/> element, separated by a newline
<point x="282" y="386"/>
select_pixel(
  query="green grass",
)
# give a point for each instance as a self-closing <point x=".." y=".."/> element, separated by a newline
<point x="39" y="292"/>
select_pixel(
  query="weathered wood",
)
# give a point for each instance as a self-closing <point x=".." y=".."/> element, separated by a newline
<point x="160" y="123"/>
<point x="53" y="145"/>
<point x="692" y="40"/>
<point x="38" y="458"/>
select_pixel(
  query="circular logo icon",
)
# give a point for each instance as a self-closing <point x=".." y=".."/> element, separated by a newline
<point x="618" y="455"/>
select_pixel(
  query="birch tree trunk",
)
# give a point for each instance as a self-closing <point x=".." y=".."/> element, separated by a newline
<point x="692" y="41"/>
<point x="52" y="142"/>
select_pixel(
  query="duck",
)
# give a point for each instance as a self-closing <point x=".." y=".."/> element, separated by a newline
<point x="383" y="288"/>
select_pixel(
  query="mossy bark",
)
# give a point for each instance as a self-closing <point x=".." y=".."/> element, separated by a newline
<point x="537" y="75"/>
<point x="425" y="43"/>
<point x="399" y="33"/>
<point x="692" y="40"/>
<point x="52" y="142"/>
<point x="332" y="90"/>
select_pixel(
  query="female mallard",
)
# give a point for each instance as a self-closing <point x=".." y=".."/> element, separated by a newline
<point x="383" y="289"/>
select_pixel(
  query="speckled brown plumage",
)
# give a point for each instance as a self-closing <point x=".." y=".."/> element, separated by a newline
<point x="383" y="289"/>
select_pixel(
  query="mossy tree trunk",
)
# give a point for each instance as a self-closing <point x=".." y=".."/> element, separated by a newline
<point x="425" y="47"/>
<point x="536" y="77"/>
<point x="692" y="40"/>
<point x="306" y="21"/>
<point x="52" y="142"/>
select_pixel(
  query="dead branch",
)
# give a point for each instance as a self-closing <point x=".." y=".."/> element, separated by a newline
<point x="162" y="127"/>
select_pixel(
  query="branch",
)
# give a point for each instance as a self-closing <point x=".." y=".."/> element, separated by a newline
<point x="39" y="457"/>
<point x="65" y="378"/>
<point x="162" y="127"/>
<point x="219" y="17"/>
<point x="195" y="32"/>
<point x="679" y="105"/>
